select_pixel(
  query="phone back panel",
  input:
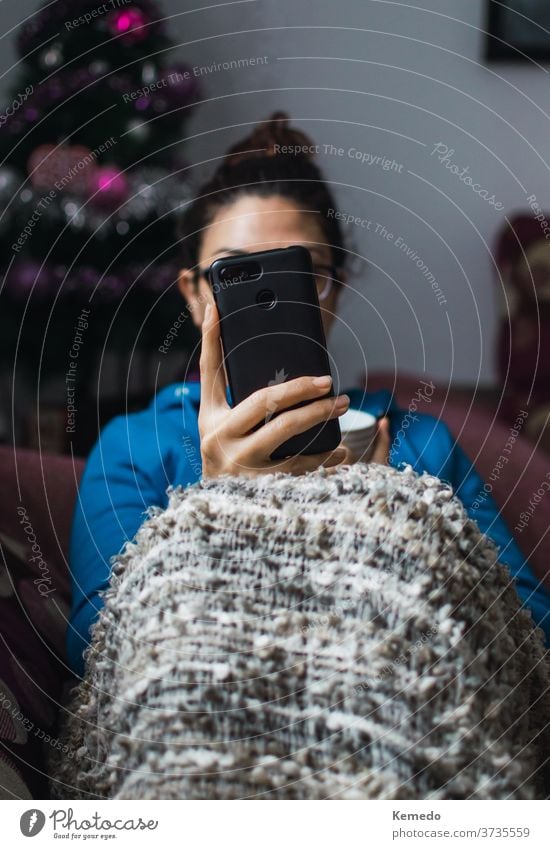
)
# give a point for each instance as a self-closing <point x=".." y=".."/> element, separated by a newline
<point x="265" y="344"/>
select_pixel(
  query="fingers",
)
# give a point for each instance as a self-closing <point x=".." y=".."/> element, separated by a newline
<point x="211" y="362"/>
<point x="302" y="463"/>
<point x="347" y="460"/>
<point x="262" y="405"/>
<point x="348" y="456"/>
<point x="382" y="446"/>
<point x="292" y="422"/>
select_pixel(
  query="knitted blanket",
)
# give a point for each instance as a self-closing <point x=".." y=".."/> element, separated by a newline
<point x="346" y="635"/>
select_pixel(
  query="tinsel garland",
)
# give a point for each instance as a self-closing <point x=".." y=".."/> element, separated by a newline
<point x="153" y="193"/>
<point x="45" y="281"/>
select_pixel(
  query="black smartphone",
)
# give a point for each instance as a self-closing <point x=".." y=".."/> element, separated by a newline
<point x="271" y="329"/>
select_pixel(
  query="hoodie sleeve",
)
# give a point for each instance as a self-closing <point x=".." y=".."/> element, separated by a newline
<point x="481" y="507"/>
<point x="116" y="489"/>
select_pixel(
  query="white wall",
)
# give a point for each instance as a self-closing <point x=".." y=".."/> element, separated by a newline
<point x="390" y="79"/>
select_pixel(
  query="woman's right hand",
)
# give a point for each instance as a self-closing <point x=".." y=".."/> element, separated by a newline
<point x="229" y="443"/>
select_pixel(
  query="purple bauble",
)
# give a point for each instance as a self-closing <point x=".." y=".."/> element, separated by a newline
<point x="109" y="187"/>
<point x="182" y="86"/>
<point x="142" y="104"/>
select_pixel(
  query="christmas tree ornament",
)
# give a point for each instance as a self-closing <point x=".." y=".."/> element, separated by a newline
<point x="182" y="86"/>
<point x="70" y="208"/>
<point x="75" y="215"/>
<point x="51" y="57"/>
<point x="129" y="24"/>
<point x="109" y="187"/>
<point x="142" y="104"/>
<point x="122" y="228"/>
<point x="148" y="72"/>
<point x="99" y="67"/>
<point x="138" y="130"/>
<point x="9" y="183"/>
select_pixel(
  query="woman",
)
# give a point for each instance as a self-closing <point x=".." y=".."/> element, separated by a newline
<point x="266" y="194"/>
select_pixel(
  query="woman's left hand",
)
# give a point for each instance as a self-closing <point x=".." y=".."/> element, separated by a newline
<point x="381" y="453"/>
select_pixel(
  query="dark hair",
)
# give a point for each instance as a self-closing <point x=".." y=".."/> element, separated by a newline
<point x="256" y="166"/>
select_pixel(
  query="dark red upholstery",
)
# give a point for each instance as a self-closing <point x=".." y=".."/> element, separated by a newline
<point x="523" y="349"/>
<point x="37" y="495"/>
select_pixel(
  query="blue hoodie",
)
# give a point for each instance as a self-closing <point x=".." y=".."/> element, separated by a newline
<point x="138" y="456"/>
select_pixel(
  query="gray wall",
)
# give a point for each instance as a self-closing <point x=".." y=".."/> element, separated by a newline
<point x="388" y="80"/>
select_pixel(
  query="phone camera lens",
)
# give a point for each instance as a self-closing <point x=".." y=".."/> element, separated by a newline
<point x="266" y="299"/>
<point x="242" y="272"/>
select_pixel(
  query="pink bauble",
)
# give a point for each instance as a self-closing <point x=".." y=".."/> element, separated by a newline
<point x="109" y="187"/>
<point x="130" y="24"/>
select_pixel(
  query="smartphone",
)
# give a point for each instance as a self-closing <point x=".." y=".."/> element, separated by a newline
<point x="271" y="330"/>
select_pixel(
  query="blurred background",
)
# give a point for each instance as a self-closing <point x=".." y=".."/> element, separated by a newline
<point x="432" y="125"/>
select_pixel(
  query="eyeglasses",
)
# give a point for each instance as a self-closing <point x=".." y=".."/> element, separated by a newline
<point x="325" y="277"/>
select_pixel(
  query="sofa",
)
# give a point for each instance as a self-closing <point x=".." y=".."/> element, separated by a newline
<point x="38" y="492"/>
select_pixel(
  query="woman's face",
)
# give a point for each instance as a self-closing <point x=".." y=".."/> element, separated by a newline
<point x="257" y="224"/>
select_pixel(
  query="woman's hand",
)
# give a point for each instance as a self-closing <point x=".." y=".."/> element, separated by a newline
<point x="381" y="453"/>
<point x="229" y="445"/>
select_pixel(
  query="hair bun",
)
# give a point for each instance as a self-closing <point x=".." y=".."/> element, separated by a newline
<point x="270" y="138"/>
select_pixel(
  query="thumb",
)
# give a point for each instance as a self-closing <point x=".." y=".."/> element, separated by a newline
<point x="211" y="361"/>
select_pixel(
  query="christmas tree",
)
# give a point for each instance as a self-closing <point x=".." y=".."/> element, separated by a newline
<point x="91" y="174"/>
<point x="89" y="149"/>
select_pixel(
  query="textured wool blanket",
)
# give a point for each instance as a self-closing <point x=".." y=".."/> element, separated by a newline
<point x="346" y="635"/>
